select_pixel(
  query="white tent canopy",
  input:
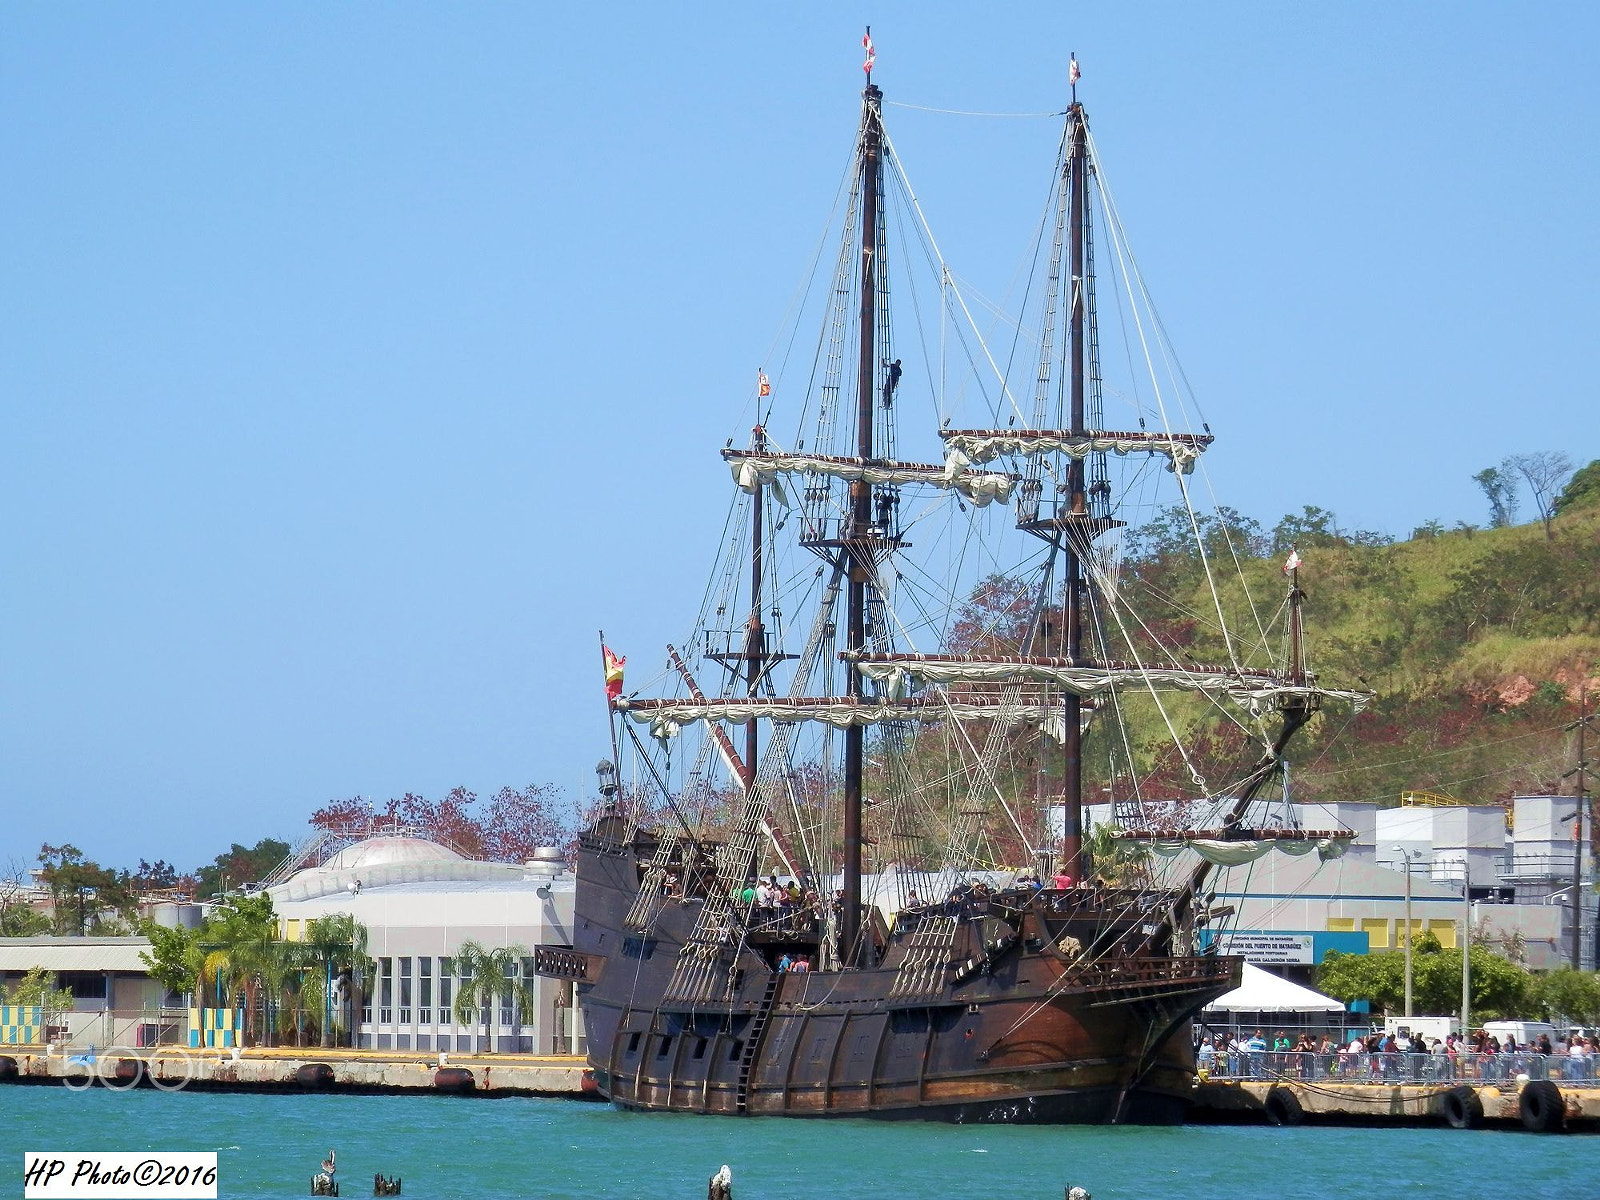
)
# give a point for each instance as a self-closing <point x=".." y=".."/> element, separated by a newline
<point x="1262" y="991"/>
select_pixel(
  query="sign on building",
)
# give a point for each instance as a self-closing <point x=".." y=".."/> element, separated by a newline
<point x="1268" y="949"/>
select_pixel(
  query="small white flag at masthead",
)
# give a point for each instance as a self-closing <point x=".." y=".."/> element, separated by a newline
<point x="1292" y="563"/>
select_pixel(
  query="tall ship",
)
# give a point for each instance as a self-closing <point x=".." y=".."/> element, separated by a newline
<point x="850" y="874"/>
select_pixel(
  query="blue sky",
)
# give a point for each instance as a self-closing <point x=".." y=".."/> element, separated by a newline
<point x="358" y="362"/>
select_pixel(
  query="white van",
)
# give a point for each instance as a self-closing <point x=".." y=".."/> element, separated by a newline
<point x="1425" y="1027"/>
<point x="1526" y="1032"/>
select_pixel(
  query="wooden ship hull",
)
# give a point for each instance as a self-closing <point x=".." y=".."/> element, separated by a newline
<point x="979" y="1016"/>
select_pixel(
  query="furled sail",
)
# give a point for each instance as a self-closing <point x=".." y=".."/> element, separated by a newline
<point x="964" y="447"/>
<point x="752" y="468"/>
<point x="1230" y="852"/>
<point x="1250" y="688"/>
<point x="667" y="717"/>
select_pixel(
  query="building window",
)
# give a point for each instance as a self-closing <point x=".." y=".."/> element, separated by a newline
<point x="507" y="1013"/>
<point x="445" y="1015"/>
<point x="385" y="996"/>
<point x="424" y="988"/>
<point x="405" y="993"/>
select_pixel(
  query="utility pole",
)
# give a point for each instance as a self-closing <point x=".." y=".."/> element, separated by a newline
<point x="1466" y="948"/>
<point x="1405" y="857"/>
<point x="1580" y="792"/>
<point x="1408" y="935"/>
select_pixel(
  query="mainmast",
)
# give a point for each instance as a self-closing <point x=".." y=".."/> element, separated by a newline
<point x="1077" y="527"/>
<point x="859" y="538"/>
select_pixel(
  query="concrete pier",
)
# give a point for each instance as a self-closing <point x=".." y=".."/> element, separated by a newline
<point x="1542" y="1106"/>
<point x="307" y="1069"/>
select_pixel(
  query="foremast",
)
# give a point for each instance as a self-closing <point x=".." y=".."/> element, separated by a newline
<point x="1078" y="531"/>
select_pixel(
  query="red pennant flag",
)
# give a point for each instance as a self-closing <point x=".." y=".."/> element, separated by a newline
<point x="866" y="44"/>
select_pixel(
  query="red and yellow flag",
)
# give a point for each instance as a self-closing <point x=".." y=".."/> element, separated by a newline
<point x="614" y="665"/>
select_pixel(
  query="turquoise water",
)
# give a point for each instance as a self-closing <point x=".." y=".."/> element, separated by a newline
<point x="453" y="1147"/>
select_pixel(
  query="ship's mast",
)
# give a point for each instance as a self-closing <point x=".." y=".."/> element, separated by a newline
<point x="859" y="538"/>
<point x="755" y="646"/>
<point x="1078" y="526"/>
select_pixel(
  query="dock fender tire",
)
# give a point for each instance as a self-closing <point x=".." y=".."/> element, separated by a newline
<point x="453" y="1079"/>
<point x="313" y="1075"/>
<point x="1282" y="1107"/>
<point x="1461" y="1108"/>
<point x="1541" y="1107"/>
<point x="8" y="1068"/>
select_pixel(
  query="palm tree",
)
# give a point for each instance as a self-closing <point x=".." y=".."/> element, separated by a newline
<point x="1118" y="862"/>
<point x="253" y="965"/>
<point x="337" y="945"/>
<point x="234" y="941"/>
<point x="486" y="975"/>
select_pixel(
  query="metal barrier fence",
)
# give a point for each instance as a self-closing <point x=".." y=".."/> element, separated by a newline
<point x="1345" y="1066"/>
<point x="135" y="1027"/>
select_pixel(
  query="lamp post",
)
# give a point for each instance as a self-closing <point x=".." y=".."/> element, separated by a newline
<point x="1466" y="949"/>
<point x="1406" y="856"/>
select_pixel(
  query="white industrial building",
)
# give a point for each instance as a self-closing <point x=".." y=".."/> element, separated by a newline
<point x="1290" y="911"/>
<point x="419" y="901"/>
<point x="1445" y="842"/>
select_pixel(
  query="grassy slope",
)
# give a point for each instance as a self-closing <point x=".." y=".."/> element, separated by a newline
<point x="1473" y="641"/>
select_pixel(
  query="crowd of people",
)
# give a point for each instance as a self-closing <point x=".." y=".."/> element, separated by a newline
<point x="1379" y="1057"/>
<point x="785" y="907"/>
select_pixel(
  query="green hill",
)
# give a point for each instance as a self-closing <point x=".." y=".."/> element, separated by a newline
<point x="1474" y="642"/>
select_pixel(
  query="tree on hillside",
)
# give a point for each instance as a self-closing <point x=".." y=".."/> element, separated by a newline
<point x="1545" y="472"/>
<point x="1500" y="487"/>
<point x="81" y="889"/>
<point x="1583" y="488"/>
<point x="1528" y="589"/>
<point x="1312" y="526"/>
<point x="238" y="866"/>
<point x="994" y="619"/>
<point x="157" y="876"/>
